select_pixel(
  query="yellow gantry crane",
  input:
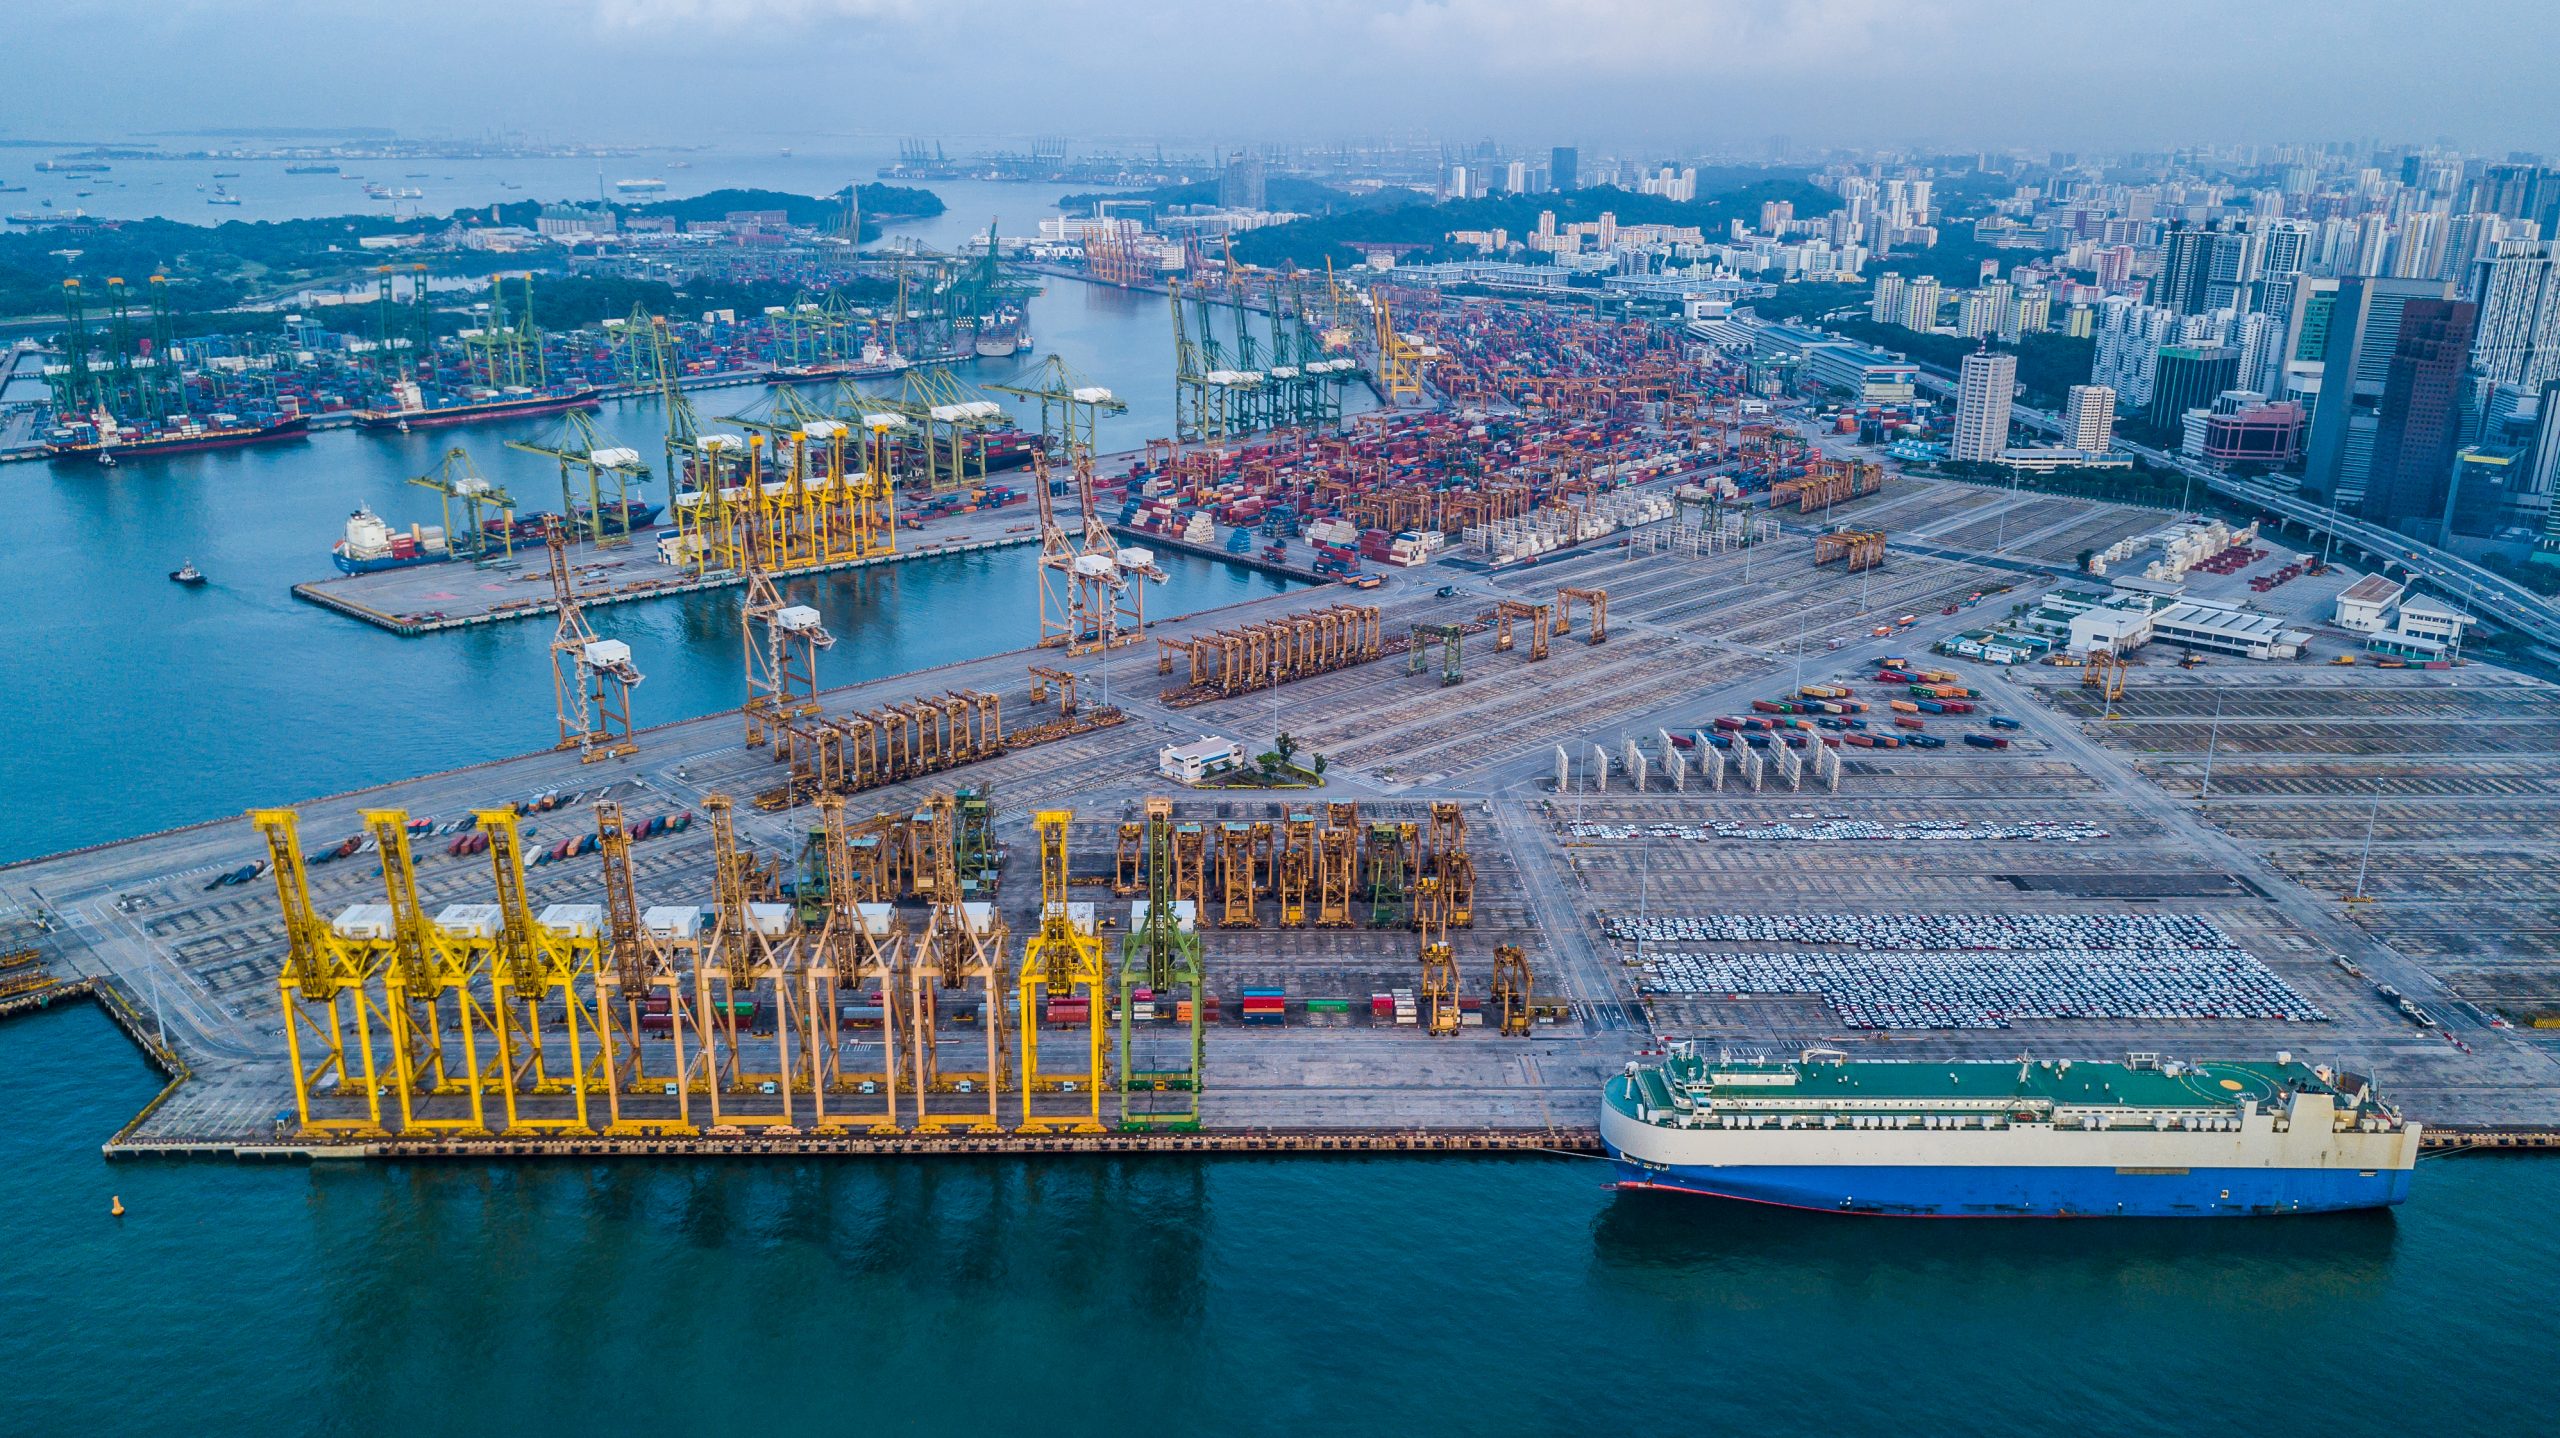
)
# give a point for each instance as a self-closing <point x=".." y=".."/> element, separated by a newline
<point x="2105" y="672"/>
<point x="1511" y="990"/>
<point x="1440" y="1012"/>
<point x="536" y="962"/>
<point x="1399" y="358"/>
<point x="1063" y="976"/>
<point x="468" y="1003"/>
<point x="431" y="973"/>
<point x="326" y="987"/>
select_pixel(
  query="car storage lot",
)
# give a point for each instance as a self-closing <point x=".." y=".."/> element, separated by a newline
<point x="2454" y="774"/>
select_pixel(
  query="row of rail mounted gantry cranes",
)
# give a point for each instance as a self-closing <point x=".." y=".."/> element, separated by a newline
<point x="834" y="1009"/>
<point x="1294" y="377"/>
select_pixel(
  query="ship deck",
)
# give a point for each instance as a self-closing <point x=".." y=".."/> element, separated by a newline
<point x="2082" y="1083"/>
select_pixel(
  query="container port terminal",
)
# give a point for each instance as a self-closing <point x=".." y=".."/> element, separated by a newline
<point x="1551" y="868"/>
<point x="1613" y="751"/>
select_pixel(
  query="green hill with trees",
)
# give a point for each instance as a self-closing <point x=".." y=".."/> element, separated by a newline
<point x="1732" y="193"/>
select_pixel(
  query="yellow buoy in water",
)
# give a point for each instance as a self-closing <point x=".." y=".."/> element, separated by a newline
<point x="115" y="1206"/>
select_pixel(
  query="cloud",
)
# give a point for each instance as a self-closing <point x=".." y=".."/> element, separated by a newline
<point x="1567" y="39"/>
<point x="728" y="16"/>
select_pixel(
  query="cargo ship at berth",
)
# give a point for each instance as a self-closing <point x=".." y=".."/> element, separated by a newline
<point x="414" y="411"/>
<point x="873" y="364"/>
<point x="2053" y="1138"/>
<point x="221" y="431"/>
<point x="371" y="545"/>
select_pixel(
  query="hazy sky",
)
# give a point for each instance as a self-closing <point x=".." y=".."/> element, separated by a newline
<point x="2080" y="73"/>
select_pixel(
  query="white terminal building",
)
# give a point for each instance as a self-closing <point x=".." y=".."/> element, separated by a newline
<point x="1191" y="763"/>
<point x="2134" y="612"/>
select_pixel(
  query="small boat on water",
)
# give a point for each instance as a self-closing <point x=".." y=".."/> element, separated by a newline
<point x="187" y="574"/>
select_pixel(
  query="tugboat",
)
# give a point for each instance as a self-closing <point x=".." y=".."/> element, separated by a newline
<point x="188" y="575"/>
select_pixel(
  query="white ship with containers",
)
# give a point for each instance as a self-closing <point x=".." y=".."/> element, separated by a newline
<point x="371" y="544"/>
<point x="2051" y="1138"/>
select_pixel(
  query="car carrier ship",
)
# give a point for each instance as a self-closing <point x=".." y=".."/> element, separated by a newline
<point x="2051" y="1138"/>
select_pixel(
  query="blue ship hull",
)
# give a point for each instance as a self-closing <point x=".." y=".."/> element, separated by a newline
<point x="369" y="566"/>
<point x="2035" y="1192"/>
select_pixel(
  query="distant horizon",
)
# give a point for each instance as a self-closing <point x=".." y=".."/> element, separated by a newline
<point x="1625" y="149"/>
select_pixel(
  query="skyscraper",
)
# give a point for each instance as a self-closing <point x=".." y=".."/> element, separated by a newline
<point x="2306" y="342"/>
<point x="2363" y="333"/>
<point x="1982" y="407"/>
<point x="1562" y="168"/>
<point x="2089" y="418"/>
<point x="2418" y="417"/>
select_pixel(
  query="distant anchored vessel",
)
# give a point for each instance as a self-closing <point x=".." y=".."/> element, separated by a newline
<point x="2056" y="1138"/>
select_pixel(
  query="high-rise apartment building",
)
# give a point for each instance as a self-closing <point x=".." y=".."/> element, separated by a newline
<point x="2517" y="290"/>
<point x="1920" y="303"/>
<point x="1977" y="314"/>
<point x="1983" y="390"/>
<point x="1886" y="307"/>
<point x="1240" y="184"/>
<point x="2204" y="270"/>
<point x="2089" y="418"/>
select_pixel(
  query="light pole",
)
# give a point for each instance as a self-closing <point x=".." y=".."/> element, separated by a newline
<point x="1644" y="882"/>
<point x="2363" y="863"/>
<point x="2212" y="737"/>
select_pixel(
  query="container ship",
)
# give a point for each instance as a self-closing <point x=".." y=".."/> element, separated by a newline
<point x="982" y="452"/>
<point x="873" y="364"/>
<point x="1001" y="449"/>
<point x="413" y="411"/>
<point x="371" y="544"/>
<point x="635" y="516"/>
<point x="221" y="431"/>
<point x="2056" y="1138"/>
<point x="999" y="335"/>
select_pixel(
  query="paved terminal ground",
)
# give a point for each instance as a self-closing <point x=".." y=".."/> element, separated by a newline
<point x="2461" y="762"/>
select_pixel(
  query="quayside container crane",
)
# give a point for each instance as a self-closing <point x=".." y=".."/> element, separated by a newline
<point x="1163" y="956"/>
<point x="1064" y="978"/>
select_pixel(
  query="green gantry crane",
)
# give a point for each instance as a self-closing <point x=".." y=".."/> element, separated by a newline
<point x="1159" y="956"/>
